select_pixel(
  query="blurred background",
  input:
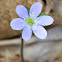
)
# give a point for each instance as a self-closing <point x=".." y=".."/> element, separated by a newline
<point x="35" y="50"/>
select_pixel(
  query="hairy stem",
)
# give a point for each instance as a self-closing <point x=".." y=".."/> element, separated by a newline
<point x="22" y="58"/>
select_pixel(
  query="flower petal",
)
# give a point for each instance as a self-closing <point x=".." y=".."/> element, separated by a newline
<point x="44" y="20"/>
<point x="21" y="11"/>
<point x="40" y="32"/>
<point x="17" y="24"/>
<point x="26" y="34"/>
<point x="36" y="8"/>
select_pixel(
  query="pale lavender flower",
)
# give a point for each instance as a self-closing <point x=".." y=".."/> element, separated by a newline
<point x="31" y="22"/>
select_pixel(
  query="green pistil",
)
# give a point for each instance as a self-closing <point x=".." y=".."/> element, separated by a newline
<point x="30" y="21"/>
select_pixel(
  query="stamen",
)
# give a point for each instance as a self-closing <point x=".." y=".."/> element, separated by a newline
<point x="30" y="21"/>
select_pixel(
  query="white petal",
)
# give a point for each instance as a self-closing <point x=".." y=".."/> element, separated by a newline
<point x="26" y="34"/>
<point x="40" y="32"/>
<point x="44" y="20"/>
<point x="36" y="8"/>
<point x="17" y="24"/>
<point x="21" y="11"/>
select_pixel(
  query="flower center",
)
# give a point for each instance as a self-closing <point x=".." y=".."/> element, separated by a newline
<point x="30" y="21"/>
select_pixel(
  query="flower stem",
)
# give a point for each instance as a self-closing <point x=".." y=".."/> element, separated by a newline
<point x="22" y="58"/>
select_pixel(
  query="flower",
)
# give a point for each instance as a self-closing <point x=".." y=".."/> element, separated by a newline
<point x="31" y="22"/>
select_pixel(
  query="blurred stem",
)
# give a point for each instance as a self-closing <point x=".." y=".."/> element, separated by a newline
<point x="22" y="58"/>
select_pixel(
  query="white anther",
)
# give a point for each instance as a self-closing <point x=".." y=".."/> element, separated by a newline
<point x="33" y="12"/>
<point x="23" y="25"/>
<point x="23" y="17"/>
<point x="33" y="29"/>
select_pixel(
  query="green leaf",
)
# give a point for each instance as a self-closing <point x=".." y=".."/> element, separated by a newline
<point x="41" y="14"/>
<point x="27" y="8"/>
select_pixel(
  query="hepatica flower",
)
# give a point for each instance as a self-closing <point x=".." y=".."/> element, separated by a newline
<point x="31" y="22"/>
